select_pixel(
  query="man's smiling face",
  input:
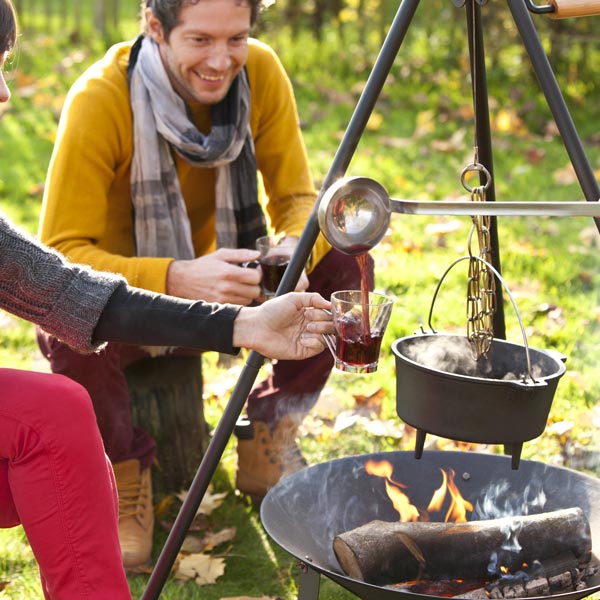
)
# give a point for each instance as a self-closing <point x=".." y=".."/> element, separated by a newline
<point x="206" y="49"/>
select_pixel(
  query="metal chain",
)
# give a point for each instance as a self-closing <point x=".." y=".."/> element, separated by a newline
<point x="481" y="286"/>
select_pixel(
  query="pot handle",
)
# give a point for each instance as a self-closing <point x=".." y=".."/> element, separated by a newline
<point x="503" y="283"/>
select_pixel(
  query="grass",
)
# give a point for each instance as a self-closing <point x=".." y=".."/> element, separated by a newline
<point x="416" y="145"/>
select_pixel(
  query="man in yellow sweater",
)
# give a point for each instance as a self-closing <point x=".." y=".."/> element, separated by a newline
<point x="154" y="176"/>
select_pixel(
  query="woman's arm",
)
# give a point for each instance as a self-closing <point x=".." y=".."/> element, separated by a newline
<point x="287" y="327"/>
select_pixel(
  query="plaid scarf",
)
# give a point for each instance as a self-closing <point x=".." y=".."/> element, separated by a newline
<point x="161" y="223"/>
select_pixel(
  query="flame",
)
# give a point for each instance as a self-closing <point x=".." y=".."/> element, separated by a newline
<point x="456" y="512"/>
<point x="400" y="501"/>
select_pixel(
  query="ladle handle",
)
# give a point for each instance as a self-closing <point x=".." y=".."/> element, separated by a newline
<point x="507" y="209"/>
<point x="503" y="283"/>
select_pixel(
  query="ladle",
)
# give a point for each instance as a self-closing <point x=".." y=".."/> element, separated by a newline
<point x="354" y="212"/>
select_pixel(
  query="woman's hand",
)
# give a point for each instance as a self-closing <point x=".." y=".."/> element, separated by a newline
<point x="287" y="327"/>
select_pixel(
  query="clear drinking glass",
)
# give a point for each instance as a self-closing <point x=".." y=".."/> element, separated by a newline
<point x="360" y="324"/>
<point x="275" y="255"/>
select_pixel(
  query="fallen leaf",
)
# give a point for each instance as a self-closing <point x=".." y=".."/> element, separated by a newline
<point x="162" y="507"/>
<point x="202" y="568"/>
<point x="560" y="428"/>
<point x="192" y="544"/>
<point x="425" y="123"/>
<point x="209" y="503"/>
<point x="589" y="237"/>
<point x="535" y="155"/>
<point x="371" y="403"/>
<point x="212" y="540"/>
<point x="21" y="78"/>
<point x="565" y="176"/>
<point x="36" y="189"/>
<point x="344" y="420"/>
<point x="375" y="121"/>
<point x="507" y="121"/>
<point x="443" y="227"/>
<point x="395" y="142"/>
<point x="452" y="144"/>
<point x="391" y="428"/>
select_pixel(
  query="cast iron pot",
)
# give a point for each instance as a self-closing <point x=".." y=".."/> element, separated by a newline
<point x="501" y="399"/>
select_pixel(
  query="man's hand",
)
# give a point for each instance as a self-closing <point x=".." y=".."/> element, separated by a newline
<point x="288" y="327"/>
<point x="216" y="277"/>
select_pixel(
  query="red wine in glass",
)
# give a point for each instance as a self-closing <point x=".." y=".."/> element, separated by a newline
<point x="359" y="352"/>
<point x="273" y="267"/>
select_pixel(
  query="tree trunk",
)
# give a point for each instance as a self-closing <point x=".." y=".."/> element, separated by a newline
<point x="382" y="552"/>
<point x="166" y="401"/>
<point x="100" y="16"/>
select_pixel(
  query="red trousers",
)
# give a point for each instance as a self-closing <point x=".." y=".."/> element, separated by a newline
<point x="293" y="387"/>
<point x="56" y="480"/>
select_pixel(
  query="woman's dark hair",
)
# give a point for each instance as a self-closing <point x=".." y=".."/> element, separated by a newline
<point x="167" y="12"/>
<point x="8" y="26"/>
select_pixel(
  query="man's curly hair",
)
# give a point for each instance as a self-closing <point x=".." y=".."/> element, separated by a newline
<point x="167" y="12"/>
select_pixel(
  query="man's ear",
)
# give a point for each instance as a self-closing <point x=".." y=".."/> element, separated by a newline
<point x="155" y="28"/>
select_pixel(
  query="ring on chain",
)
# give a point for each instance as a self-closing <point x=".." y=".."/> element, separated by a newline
<point x="475" y="168"/>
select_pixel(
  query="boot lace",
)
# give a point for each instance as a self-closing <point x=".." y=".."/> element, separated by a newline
<point x="131" y="497"/>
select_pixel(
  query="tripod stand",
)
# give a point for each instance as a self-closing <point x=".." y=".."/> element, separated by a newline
<point x="520" y="10"/>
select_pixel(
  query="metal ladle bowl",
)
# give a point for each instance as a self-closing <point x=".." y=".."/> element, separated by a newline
<point x="354" y="214"/>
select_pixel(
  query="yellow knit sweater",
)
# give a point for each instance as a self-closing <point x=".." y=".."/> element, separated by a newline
<point x="87" y="212"/>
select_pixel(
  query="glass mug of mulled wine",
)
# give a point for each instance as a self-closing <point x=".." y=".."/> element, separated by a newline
<point x="275" y="255"/>
<point x="360" y="321"/>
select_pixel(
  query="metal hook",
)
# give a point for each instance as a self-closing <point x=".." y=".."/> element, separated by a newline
<point x="539" y="10"/>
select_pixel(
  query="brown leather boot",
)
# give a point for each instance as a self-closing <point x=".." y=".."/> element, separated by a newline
<point x="264" y="457"/>
<point x="136" y="513"/>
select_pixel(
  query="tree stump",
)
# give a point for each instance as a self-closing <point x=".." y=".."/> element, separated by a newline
<point x="166" y="401"/>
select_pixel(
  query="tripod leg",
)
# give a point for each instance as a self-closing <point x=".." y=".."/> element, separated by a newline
<point x="556" y="102"/>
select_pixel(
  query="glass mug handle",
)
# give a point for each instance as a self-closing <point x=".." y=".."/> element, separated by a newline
<point x="328" y="338"/>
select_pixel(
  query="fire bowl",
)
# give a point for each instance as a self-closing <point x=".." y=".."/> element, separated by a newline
<point x="306" y="510"/>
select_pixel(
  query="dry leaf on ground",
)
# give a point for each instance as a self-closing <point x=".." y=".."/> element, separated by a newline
<point x="202" y="568"/>
<point x="192" y="544"/>
<point x="161" y="509"/>
<point x="209" y="503"/>
<point x="370" y="403"/>
<point x="212" y="540"/>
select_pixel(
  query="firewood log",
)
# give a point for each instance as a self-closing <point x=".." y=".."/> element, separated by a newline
<point x="391" y="552"/>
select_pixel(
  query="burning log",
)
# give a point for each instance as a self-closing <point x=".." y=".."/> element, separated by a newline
<point x="560" y="574"/>
<point x="382" y="552"/>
